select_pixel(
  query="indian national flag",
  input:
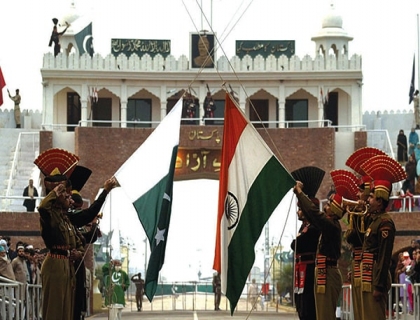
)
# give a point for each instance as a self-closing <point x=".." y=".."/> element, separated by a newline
<point x="252" y="184"/>
<point x="147" y="179"/>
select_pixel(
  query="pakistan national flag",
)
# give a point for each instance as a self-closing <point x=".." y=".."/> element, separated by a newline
<point x="84" y="40"/>
<point x="147" y="178"/>
<point x="252" y="183"/>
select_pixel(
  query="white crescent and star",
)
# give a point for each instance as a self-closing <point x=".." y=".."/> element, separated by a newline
<point x="160" y="233"/>
<point x="116" y="276"/>
<point x="159" y="236"/>
<point x="85" y="40"/>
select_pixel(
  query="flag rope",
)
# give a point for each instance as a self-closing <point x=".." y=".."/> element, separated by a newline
<point x="219" y="45"/>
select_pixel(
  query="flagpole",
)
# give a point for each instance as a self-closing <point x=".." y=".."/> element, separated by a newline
<point x="418" y="53"/>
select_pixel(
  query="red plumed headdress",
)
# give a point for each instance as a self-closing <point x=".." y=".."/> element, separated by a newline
<point x="384" y="171"/>
<point x="345" y="183"/>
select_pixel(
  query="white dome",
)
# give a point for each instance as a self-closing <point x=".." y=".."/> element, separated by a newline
<point x="71" y="16"/>
<point x="332" y="19"/>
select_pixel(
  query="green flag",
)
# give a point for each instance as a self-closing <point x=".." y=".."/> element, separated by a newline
<point x="147" y="179"/>
<point x="84" y="40"/>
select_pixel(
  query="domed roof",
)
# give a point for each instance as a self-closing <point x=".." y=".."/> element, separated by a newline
<point x="332" y="19"/>
<point x="332" y="27"/>
<point x="71" y="15"/>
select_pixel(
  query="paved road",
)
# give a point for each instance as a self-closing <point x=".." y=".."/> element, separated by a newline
<point x="198" y="315"/>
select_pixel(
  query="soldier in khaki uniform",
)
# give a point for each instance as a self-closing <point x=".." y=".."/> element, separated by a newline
<point x="379" y="237"/>
<point x="359" y="220"/>
<point x="58" y="273"/>
<point x="61" y="238"/>
<point x="16" y="99"/>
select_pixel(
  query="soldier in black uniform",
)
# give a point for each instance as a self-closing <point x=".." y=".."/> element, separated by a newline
<point x="189" y="108"/>
<point x="209" y="108"/>
<point x="305" y="246"/>
<point x="328" y="279"/>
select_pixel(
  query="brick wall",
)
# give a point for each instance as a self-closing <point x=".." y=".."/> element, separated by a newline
<point x="21" y="226"/>
<point x="25" y="227"/>
<point x="104" y="150"/>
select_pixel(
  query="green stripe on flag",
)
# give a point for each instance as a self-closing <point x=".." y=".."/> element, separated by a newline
<point x="154" y="211"/>
<point x="269" y="188"/>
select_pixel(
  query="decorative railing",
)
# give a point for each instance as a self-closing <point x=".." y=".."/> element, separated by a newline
<point x="182" y="64"/>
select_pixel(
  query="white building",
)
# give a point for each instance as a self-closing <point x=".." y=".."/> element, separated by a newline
<point x="131" y="88"/>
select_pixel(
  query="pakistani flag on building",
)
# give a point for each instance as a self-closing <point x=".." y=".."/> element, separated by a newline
<point x="84" y="40"/>
<point x="251" y="185"/>
<point x="147" y="179"/>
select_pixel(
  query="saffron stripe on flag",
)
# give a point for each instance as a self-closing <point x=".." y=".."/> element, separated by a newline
<point x="252" y="184"/>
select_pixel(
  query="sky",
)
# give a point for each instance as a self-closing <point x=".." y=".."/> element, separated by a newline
<point x="191" y="238"/>
<point x="385" y="35"/>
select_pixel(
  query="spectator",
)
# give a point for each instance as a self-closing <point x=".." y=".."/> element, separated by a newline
<point x="20" y="270"/>
<point x="415" y="267"/>
<point x="116" y="284"/>
<point x="402" y="147"/>
<point x="3" y="243"/>
<point x="416" y="108"/>
<point x="414" y="246"/>
<point x="410" y="168"/>
<point x="403" y="266"/>
<point x="332" y="191"/>
<point x="6" y="269"/>
<point x="30" y="191"/>
<point x="253" y="294"/>
<point x="413" y="139"/>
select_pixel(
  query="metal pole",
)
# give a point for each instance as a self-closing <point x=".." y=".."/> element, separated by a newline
<point x="201" y="9"/>
<point x="418" y="53"/>
<point x="211" y="15"/>
<point x="145" y="256"/>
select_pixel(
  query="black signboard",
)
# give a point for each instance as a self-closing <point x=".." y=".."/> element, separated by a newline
<point x="140" y="47"/>
<point x="265" y="48"/>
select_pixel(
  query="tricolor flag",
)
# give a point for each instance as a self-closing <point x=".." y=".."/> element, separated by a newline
<point x="2" y="85"/>
<point x="251" y="185"/>
<point x="147" y="179"/>
<point x="411" y="92"/>
<point x="84" y="40"/>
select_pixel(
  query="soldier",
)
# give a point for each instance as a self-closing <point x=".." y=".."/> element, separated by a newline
<point x="358" y="222"/>
<point x="305" y="246"/>
<point x="16" y="99"/>
<point x="209" y="108"/>
<point x="139" y="282"/>
<point x="328" y="279"/>
<point x="378" y="241"/>
<point x="217" y="289"/>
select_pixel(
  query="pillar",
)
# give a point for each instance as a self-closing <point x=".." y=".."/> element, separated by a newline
<point x="123" y="105"/>
<point x="123" y="114"/>
<point x="282" y="106"/>
<point x="84" y="112"/>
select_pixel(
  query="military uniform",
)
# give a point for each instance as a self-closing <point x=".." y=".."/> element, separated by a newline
<point x="57" y="272"/>
<point x="379" y="238"/>
<point x="376" y="259"/>
<point x="328" y="279"/>
<point x="16" y="99"/>
<point x="305" y="246"/>
<point x="354" y="236"/>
